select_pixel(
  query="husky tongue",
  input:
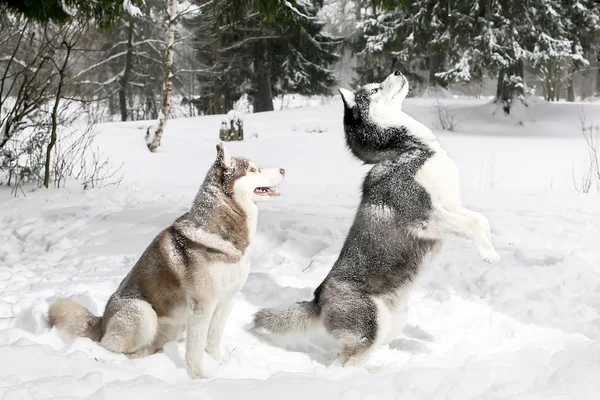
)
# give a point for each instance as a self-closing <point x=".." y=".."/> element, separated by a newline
<point x="265" y="191"/>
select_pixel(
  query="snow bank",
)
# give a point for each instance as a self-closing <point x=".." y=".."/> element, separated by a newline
<point x="526" y="328"/>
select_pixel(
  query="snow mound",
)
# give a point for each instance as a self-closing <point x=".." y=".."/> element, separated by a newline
<point x="526" y="328"/>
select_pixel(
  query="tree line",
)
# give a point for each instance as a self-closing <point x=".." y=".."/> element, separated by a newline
<point x="469" y="40"/>
<point x="125" y="58"/>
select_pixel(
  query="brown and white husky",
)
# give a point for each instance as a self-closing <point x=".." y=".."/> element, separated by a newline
<point x="188" y="276"/>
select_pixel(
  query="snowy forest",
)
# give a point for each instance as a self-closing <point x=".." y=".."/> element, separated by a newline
<point x="136" y="135"/>
<point x="157" y="59"/>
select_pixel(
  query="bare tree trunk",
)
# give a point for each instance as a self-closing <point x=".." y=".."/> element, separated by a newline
<point x="216" y="48"/>
<point x="570" y="78"/>
<point x="588" y="87"/>
<point x="126" y="72"/>
<point x="436" y="64"/>
<point x="548" y="81"/>
<point x="165" y="107"/>
<point x="263" y="98"/>
<point x="506" y="90"/>
<point x="54" y="116"/>
<point x="570" y="88"/>
<point x="557" y="85"/>
<point x="597" y="93"/>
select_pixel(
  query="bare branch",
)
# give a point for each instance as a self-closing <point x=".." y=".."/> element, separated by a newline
<point x="251" y="39"/>
<point x="109" y="59"/>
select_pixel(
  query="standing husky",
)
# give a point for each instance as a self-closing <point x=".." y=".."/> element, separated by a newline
<point x="410" y="203"/>
<point x="189" y="274"/>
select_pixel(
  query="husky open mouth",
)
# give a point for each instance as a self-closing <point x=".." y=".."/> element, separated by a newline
<point x="266" y="191"/>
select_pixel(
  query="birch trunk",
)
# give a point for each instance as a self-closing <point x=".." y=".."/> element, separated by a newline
<point x="598" y="81"/>
<point x="154" y="140"/>
<point x="597" y="91"/>
<point x="123" y="91"/>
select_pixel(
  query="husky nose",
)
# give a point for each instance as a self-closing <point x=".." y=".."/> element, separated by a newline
<point x="397" y="73"/>
<point x="282" y="171"/>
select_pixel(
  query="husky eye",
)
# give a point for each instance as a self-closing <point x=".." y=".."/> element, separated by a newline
<point x="252" y="169"/>
<point x="373" y="91"/>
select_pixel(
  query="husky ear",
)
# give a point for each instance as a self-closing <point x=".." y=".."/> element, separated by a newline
<point x="223" y="156"/>
<point x="347" y="98"/>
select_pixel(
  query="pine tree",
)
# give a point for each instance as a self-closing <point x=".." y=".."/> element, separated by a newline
<point x="581" y="19"/>
<point x="379" y="35"/>
<point x="221" y="82"/>
<point x="263" y="57"/>
<point x="542" y="35"/>
<point x="597" y="90"/>
<point x="302" y="58"/>
<point x="123" y="61"/>
<point x="104" y="12"/>
<point x="412" y="36"/>
<point x="466" y="40"/>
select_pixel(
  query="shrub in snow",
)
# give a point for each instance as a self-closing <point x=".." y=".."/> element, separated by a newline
<point x="232" y="127"/>
<point x="590" y="173"/>
<point x="447" y="121"/>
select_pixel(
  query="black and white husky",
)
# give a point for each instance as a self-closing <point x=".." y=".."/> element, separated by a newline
<point x="410" y="203"/>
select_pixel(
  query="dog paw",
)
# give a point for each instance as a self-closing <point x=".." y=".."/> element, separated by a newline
<point x="194" y="371"/>
<point x="491" y="256"/>
<point x="215" y="355"/>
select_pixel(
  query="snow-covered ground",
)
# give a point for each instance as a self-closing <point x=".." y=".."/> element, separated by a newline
<point x="525" y="328"/>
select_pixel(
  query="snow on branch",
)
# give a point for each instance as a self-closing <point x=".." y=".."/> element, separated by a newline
<point x="114" y="56"/>
<point x="131" y="9"/>
<point x="12" y="59"/>
<point x="70" y="11"/>
<point x="297" y="12"/>
<point x="106" y="82"/>
<point x="459" y="72"/>
<point x="197" y="71"/>
<point x="187" y="8"/>
<point x="251" y="39"/>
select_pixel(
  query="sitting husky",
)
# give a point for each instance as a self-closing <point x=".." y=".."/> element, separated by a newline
<point x="410" y="203"/>
<point x="189" y="274"/>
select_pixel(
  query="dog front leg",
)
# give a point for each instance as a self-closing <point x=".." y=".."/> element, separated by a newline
<point x="197" y="330"/>
<point x="481" y="219"/>
<point x="463" y="224"/>
<point x="215" y="331"/>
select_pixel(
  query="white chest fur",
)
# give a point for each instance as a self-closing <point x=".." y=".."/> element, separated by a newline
<point x="228" y="279"/>
<point x="251" y="211"/>
<point x="439" y="176"/>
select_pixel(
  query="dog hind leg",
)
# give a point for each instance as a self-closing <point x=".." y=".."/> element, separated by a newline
<point x="130" y="326"/>
<point x="352" y="321"/>
<point x="165" y="333"/>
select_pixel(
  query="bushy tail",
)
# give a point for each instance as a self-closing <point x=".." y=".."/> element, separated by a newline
<point x="300" y="318"/>
<point x="73" y="320"/>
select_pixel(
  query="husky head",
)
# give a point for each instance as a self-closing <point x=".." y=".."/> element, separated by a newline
<point x="376" y="128"/>
<point x="374" y="100"/>
<point x="243" y="180"/>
